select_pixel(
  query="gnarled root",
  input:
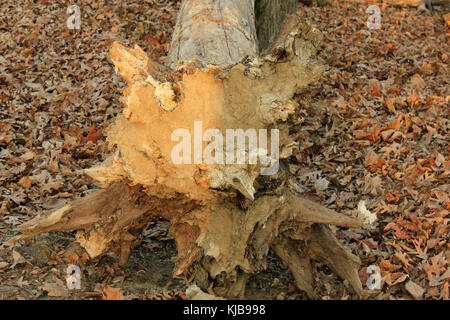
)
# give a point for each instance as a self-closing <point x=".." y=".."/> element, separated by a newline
<point x="108" y="220"/>
<point x="298" y="263"/>
<point x="234" y="243"/>
<point x="317" y="243"/>
<point x="225" y="242"/>
<point x="220" y="241"/>
<point x="325" y="247"/>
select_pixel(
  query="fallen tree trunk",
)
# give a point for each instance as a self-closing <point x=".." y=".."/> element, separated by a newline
<point x="225" y="216"/>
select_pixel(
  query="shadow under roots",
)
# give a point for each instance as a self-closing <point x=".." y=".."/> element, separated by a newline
<point x="273" y="283"/>
<point x="151" y="264"/>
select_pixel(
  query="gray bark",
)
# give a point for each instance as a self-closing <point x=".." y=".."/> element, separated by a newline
<point x="270" y="15"/>
<point x="214" y="32"/>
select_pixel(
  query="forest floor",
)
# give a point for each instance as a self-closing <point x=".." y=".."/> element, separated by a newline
<point x="376" y="130"/>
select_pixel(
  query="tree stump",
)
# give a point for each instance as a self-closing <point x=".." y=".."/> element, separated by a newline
<point x="168" y="157"/>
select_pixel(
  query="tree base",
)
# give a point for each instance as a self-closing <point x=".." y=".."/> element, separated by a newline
<point x="220" y="243"/>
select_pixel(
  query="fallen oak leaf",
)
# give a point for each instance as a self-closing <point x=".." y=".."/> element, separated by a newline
<point x="84" y="257"/>
<point x="435" y="267"/>
<point x="385" y="265"/>
<point x="195" y="293"/>
<point x="394" y="91"/>
<point x="407" y="123"/>
<point x="417" y="82"/>
<point x="372" y="244"/>
<point x="403" y="259"/>
<point x="153" y="41"/>
<point x="391" y="47"/>
<point x="447" y="19"/>
<point x="400" y="279"/>
<point x="55" y="290"/>
<point x="412" y="100"/>
<point x="375" y="91"/>
<point x="55" y="185"/>
<point x="396" y="124"/>
<point x="110" y="293"/>
<point x="22" y="282"/>
<point x="389" y="105"/>
<point x="18" y="259"/>
<point x="371" y="158"/>
<point x="93" y="135"/>
<point x="373" y="135"/>
<point x="414" y="289"/>
<point x="395" y="136"/>
<point x="73" y="258"/>
<point x="30" y="155"/>
<point x="392" y="278"/>
<point x="386" y="134"/>
<point x="25" y="182"/>
<point x="368" y="217"/>
<point x="4" y="208"/>
<point x="393" y="196"/>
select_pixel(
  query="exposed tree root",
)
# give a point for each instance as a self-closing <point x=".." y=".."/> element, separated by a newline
<point x="298" y="263"/>
<point x="107" y="220"/>
<point x="318" y="243"/>
<point x="226" y="247"/>
<point x="326" y="248"/>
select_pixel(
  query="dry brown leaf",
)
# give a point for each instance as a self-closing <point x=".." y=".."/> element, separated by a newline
<point x="4" y="209"/>
<point x="389" y="105"/>
<point x="84" y="257"/>
<point x="55" y="289"/>
<point x="417" y="82"/>
<point x="25" y="182"/>
<point x="414" y="289"/>
<point x="447" y="19"/>
<point x="18" y="259"/>
<point x="371" y="158"/>
<point x="110" y="293"/>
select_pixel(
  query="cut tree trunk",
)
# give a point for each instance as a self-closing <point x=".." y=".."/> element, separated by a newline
<point x="270" y="15"/>
<point x="225" y="217"/>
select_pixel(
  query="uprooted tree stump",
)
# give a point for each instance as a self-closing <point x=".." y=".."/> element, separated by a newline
<point x="225" y="217"/>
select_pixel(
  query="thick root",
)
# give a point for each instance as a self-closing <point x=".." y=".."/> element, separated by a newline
<point x="226" y="246"/>
<point x="326" y="248"/>
<point x="296" y="248"/>
<point x="298" y="263"/>
<point x="235" y="243"/>
<point x="108" y="220"/>
<point x="81" y="213"/>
